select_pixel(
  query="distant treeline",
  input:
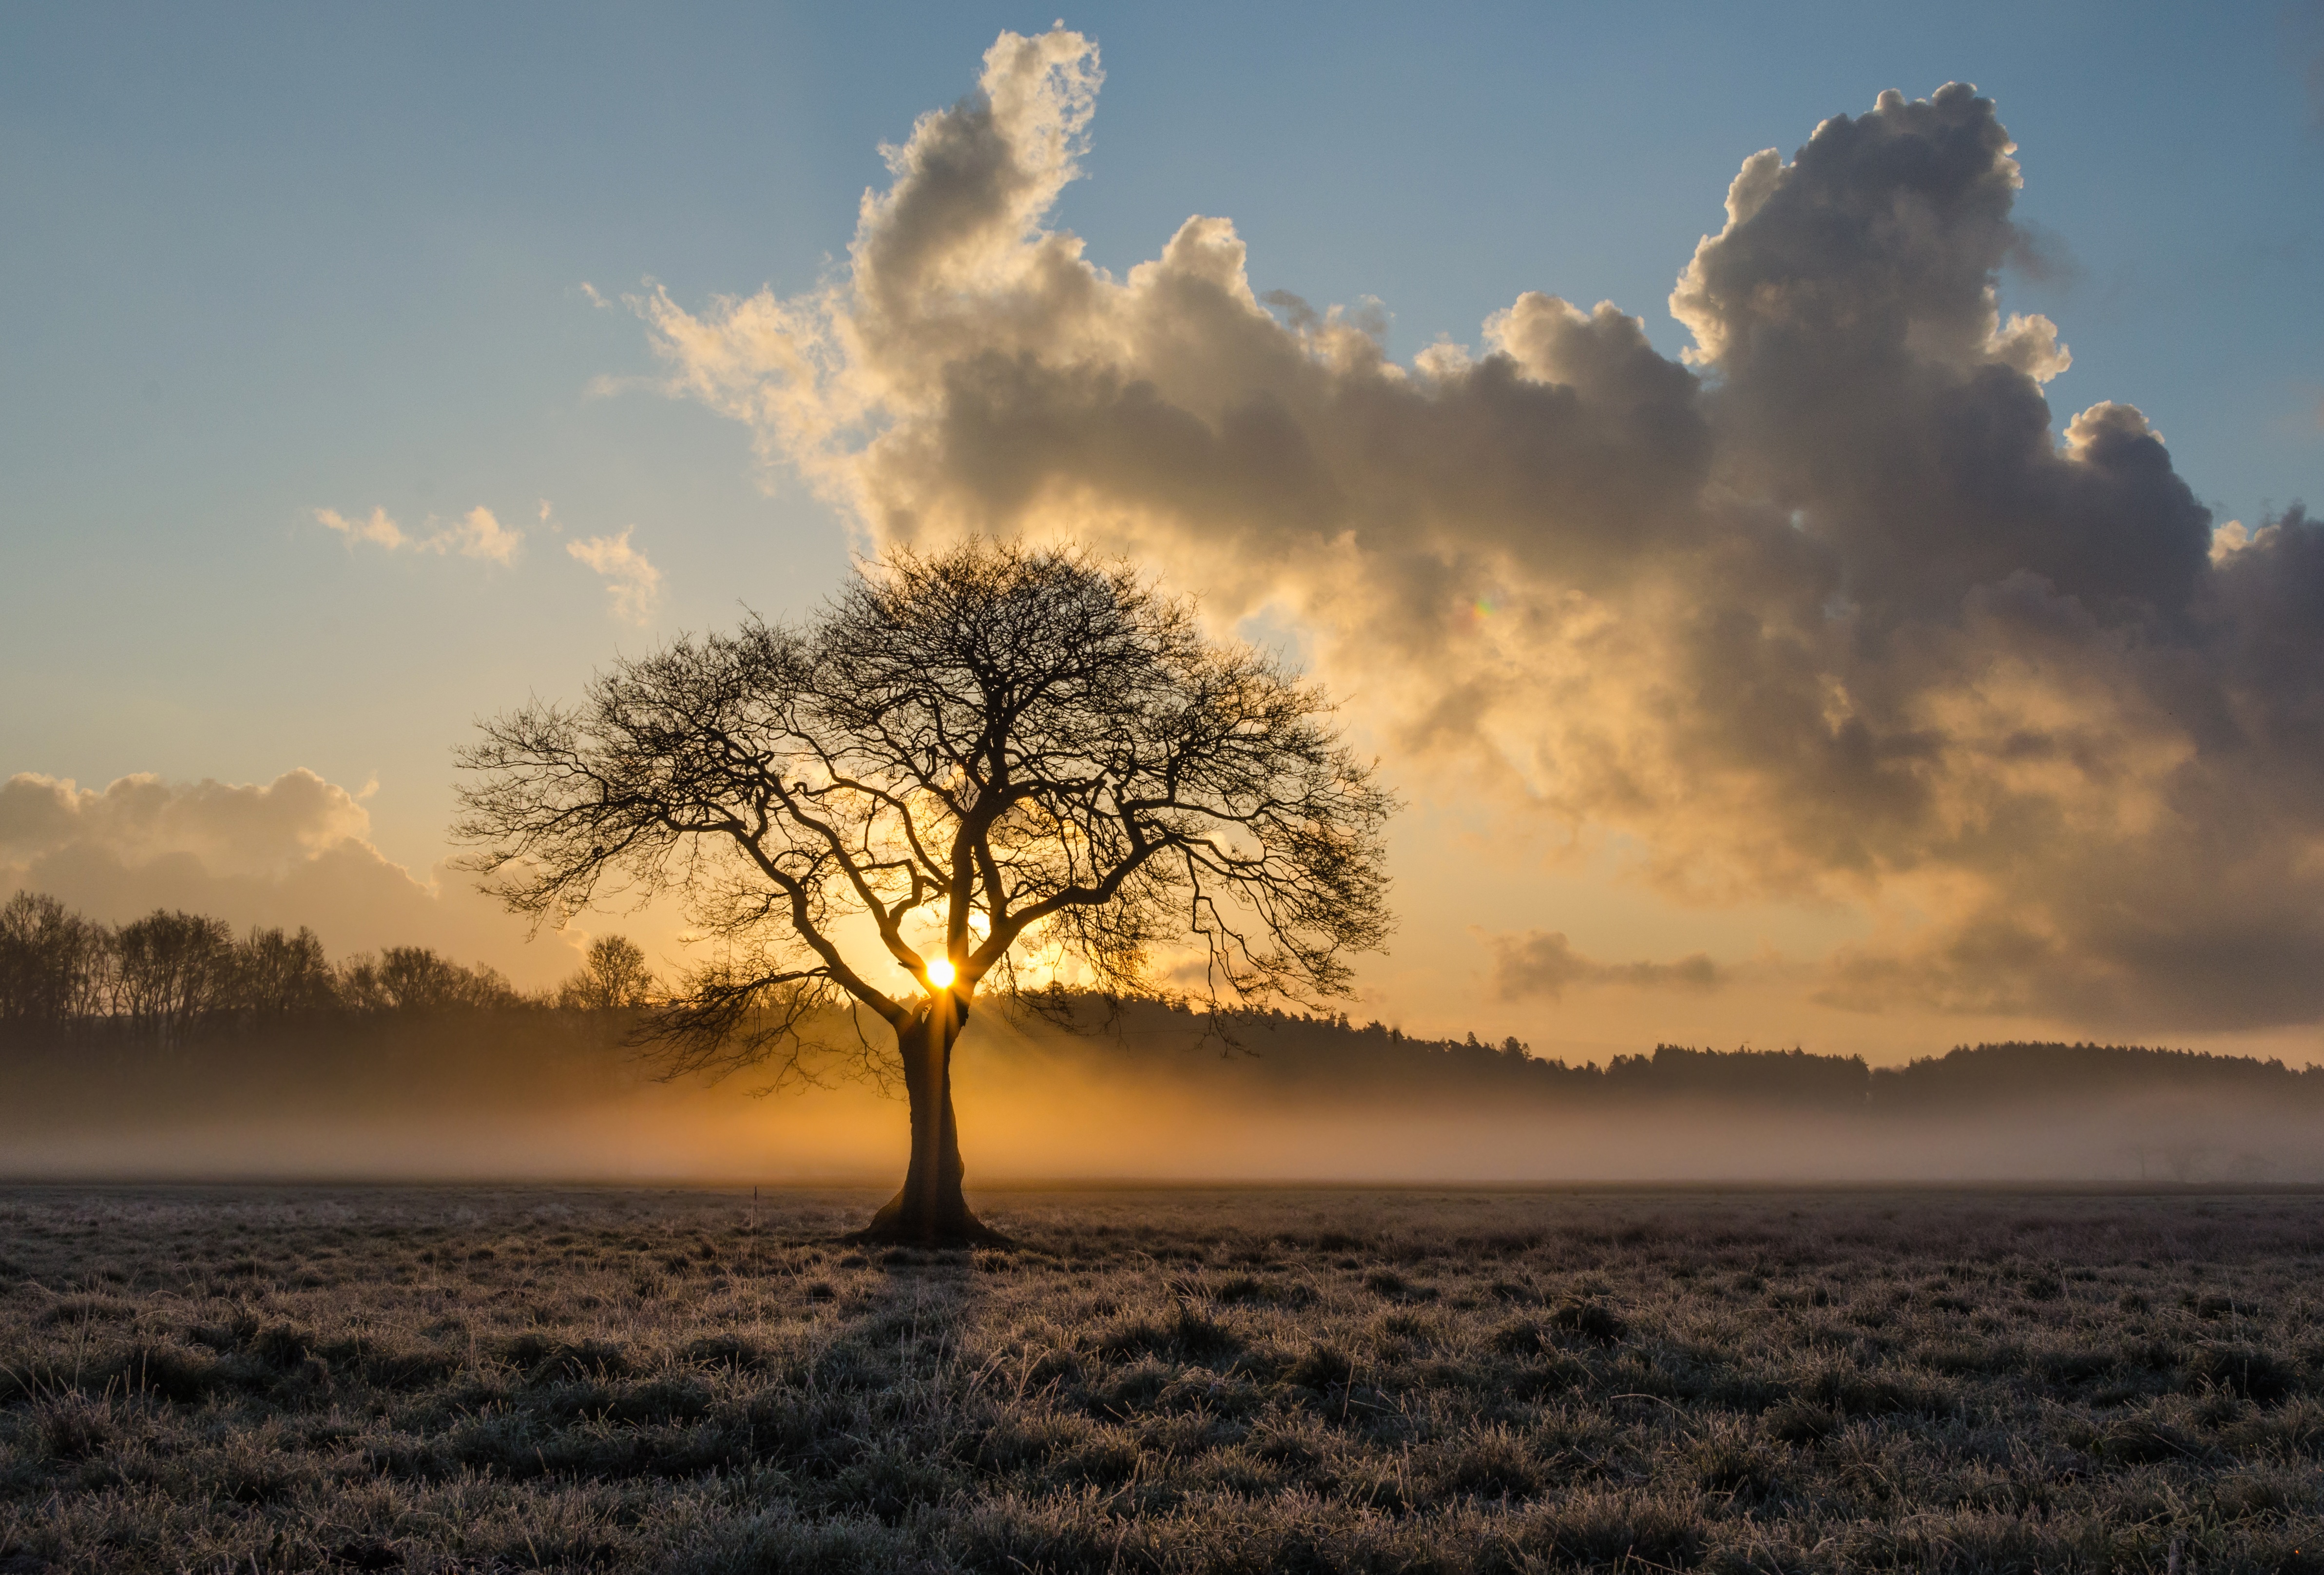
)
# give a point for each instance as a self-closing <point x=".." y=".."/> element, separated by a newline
<point x="1296" y="1051"/>
<point x="172" y="978"/>
<point x="172" y="975"/>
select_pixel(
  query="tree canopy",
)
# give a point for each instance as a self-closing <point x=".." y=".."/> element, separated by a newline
<point x="995" y="762"/>
<point x="992" y="745"/>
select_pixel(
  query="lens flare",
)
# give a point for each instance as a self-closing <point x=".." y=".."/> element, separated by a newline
<point x="940" y="973"/>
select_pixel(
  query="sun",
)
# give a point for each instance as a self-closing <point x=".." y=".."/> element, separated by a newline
<point x="940" y="973"/>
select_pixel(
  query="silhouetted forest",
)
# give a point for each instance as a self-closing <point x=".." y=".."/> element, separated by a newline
<point x="185" y="988"/>
<point x="172" y="977"/>
<point x="1308" y="1050"/>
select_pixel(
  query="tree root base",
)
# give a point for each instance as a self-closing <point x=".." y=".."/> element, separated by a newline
<point x="951" y="1226"/>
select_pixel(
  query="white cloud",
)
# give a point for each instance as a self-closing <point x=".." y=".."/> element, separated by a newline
<point x="478" y="533"/>
<point x="634" y="584"/>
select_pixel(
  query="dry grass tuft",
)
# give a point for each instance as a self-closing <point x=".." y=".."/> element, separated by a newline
<point x="468" y="1379"/>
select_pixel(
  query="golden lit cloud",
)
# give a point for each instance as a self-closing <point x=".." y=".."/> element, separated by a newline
<point x="293" y="851"/>
<point x="477" y="536"/>
<point x="378" y="529"/>
<point x="478" y="533"/>
<point x="1544" y="963"/>
<point x="632" y="584"/>
<point x="1833" y="609"/>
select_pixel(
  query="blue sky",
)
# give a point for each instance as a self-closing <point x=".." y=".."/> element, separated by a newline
<point x="263" y="260"/>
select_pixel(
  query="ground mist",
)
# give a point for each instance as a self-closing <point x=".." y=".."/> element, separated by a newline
<point x="542" y="1095"/>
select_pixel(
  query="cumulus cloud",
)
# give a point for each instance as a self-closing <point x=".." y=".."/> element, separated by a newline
<point x="293" y="851"/>
<point x="1544" y="963"/>
<point x="1833" y="607"/>
<point x="478" y="533"/>
<point x="634" y="585"/>
<point x="477" y="536"/>
<point x="247" y="828"/>
<point x="379" y="529"/>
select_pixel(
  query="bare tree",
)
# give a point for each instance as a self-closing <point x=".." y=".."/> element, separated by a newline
<point x="278" y="975"/>
<point x="173" y="970"/>
<point x="993" y="762"/>
<point x="55" y="967"/>
<point x="415" y="978"/>
<point x="613" y="977"/>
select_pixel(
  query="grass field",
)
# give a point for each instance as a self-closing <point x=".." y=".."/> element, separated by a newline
<point x="438" y="1380"/>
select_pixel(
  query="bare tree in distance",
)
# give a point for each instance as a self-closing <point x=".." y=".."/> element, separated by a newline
<point x="613" y="977"/>
<point x="279" y="975"/>
<point x="55" y="966"/>
<point x="416" y="979"/>
<point x="997" y="763"/>
<point x="170" y="969"/>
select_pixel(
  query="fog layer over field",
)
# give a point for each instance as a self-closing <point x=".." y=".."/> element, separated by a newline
<point x="554" y="1095"/>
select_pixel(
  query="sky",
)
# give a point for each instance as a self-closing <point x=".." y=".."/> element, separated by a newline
<point x="1786" y="663"/>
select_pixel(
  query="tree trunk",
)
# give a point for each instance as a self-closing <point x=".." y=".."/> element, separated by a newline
<point x="929" y="1211"/>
